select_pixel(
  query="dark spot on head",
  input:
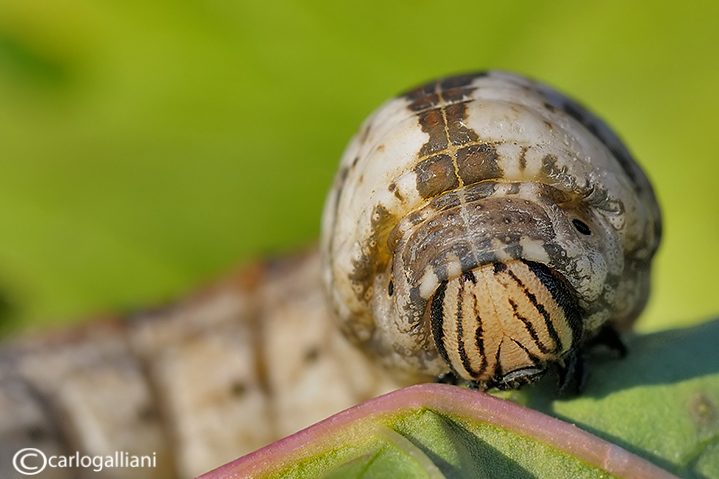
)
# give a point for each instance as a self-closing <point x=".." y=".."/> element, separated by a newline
<point x="390" y="288"/>
<point x="549" y="125"/>
<point x="549" y="107"/>
<point x="311" y="354"/>
<point x="354" y="162"/>
<point x="238" y="389"/>
<point x="581" y="227"/>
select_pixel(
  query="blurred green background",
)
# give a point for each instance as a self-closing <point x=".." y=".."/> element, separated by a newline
<point x="149" y="146"/>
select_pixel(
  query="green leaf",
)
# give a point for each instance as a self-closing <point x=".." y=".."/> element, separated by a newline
<point x="660" y="403"/>
<point x="433" y="431"/>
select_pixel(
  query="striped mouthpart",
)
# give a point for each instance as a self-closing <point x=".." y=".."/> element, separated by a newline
<point x="504" y="318"/>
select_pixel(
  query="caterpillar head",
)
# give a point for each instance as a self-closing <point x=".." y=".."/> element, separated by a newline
<point x="488" y="226"/>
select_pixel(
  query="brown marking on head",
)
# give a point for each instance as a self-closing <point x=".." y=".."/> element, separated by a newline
<point x="449" y="89"/>
<point x="395" y="191"/>
<point x="432" y="122"/>
<point x="435" y="175"/>
<point x="549" y="165"/>
<point x="523" y="158"/>
<point x="458" y="134"/>
<point x="477" y="162"/>
<point x="365" y="267"/>
<point x="458" y="88"/>
<point x="423" y="97"/>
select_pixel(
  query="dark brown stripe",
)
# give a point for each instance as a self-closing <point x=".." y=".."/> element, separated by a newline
<point x="562" y="296"/>
<point x="432" y="122"/>
<point x="479" y="339"/>
<point x="540" y="307"/>
<point x="436" y="320"/>
<point x="529" y="328"/>
<point x="535" y="360"/>
<point x="469" y="276"/>
<point x="460" y="332"/>
<point x="498" y="372"/>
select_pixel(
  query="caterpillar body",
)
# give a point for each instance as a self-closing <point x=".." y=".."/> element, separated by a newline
<point x="487" y="226"/>
<point x="482" y="226"/>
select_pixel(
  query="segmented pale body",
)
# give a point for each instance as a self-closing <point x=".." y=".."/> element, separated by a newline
<point x="226" y="371"/>
<point x="453" y="203"/>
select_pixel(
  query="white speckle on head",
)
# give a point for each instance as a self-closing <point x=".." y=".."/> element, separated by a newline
<point x="592" y="271"/>
<point x="428" y="284"/>
<point x="533" y="249"/>
<point x="609" y="295"/>
<point x="499" y="251"/>
<point x="454" y="266"/>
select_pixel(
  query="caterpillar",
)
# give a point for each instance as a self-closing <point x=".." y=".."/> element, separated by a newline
<point x="481" y="227"/>
<point x="486" y="226"/>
